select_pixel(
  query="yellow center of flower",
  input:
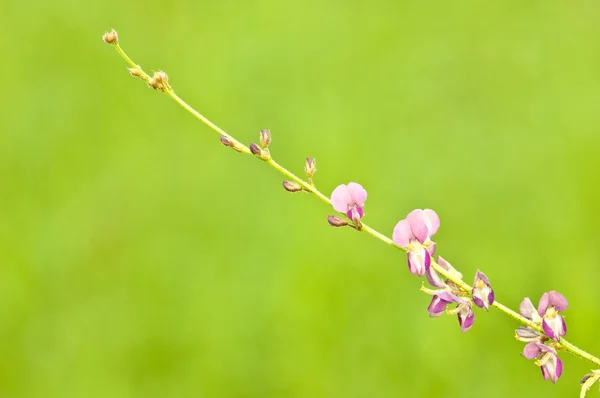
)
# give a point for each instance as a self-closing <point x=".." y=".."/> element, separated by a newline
<point x="551" y="313"/>
<point x="480" y="284"/>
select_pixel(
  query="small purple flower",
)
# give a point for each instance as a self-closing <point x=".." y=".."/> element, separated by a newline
<point x="350" y="200"/>
<point x="483" y="295"/>
<point x="549" y="306"/>
<point x="548" y="360"/>
<point x="466" y="316"/>
<point x="414" y="233"/>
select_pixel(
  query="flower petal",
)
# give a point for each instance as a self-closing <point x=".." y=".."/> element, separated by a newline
<point x="559" y="368"/>
<point x="549" y="331"/>
<point x="433" y="278"/>
<point x="437" y="306"/>
<point x="340" y="198"/>
<point x="531" y="350"/>
<point x="417" y="225"/>
<point x="543" y="304"/>
<point x="466" y="318"/>
<point x="358" y="194"/>
<point x="418" y="261"/>
<point x="432" y="220"/>
<point x="402" y="233"/>
<point x="527" y="309"/>
<point x="557" y="300"/>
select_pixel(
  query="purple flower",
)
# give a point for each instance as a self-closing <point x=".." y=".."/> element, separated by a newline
<point x="548" y="360"/>
<point x="350" y="200"/>
<point x="549" y="306"/>
<point x="483" y="295"/>
<point x="466" y="316"/>
<point x="414" y="233"/>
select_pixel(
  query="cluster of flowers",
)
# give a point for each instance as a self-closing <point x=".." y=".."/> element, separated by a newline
<point x="414" y="234"/>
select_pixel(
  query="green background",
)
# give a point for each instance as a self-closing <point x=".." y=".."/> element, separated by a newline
<point x="141" y="258"/>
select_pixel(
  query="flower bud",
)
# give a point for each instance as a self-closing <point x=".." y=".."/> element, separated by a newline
<point x="226" y="141"/>
<point x="265" y="138"/>
<point x="159" y="81"/>
<point x="310" y="167"/>
<point x="290" y="186"/>
<point x="255" y="149"/>
<point x="111" y="37"/>
<point x="336" y="221"/>
<point x="136" y="73"/>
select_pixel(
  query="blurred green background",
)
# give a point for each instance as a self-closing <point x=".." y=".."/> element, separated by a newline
<point x="141" y="258"/>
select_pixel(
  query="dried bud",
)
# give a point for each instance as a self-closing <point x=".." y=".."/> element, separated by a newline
<point x="336" y="221"/>
<point x="310" y="167"/>
<point x="290" y="186"/>
<point x="588" y="380"/>
<point x="265" y="138"/>
<point x="527" y="335"/>
<point x="111" y="37"/>
<point x="255" y="149"/>
<point x="136" y="73"/>
<point x="159" y="81"/>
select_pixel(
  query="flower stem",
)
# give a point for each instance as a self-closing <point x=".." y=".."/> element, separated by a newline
<point x="564" y="345"/>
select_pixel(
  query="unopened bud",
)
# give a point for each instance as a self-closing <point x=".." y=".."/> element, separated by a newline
<point x="111" y="37"/>
<point x="265" y="138"/>
<point x="310" y="167"/>
<point x="291" y="186"/>
<point x="255" y="149"/>
<point x="226" y="141"/>
<point x="159" y="81"/>
<point x="136" y="73"/>
<point x="336" y="221"/>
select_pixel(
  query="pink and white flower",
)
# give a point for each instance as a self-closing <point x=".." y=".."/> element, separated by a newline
<point x="414" y="233"/>
<point x="350" y="200"/>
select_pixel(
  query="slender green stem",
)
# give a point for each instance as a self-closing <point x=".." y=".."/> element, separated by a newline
<point x="563" y="345"/>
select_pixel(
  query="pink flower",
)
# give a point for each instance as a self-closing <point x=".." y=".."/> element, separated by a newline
<point x="483" y="295"/>
<point x="549" y="306"/>
<point x="414" y="233"/>
<point x="466" y="316"/>
<point x="350" y="200"/>
<point x="547" y="360"/>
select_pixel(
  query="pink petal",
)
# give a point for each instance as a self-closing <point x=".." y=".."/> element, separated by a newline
<point x="527" y="309"/>
<point x="340" y="198"/>
<point x="418" y="261"/>
<point x="559" y="368"/>
<point x="433" y="278"/>
<point x="543" y="304"/>
<point x="358" y="195"/>
<point x="557" y="300"/>
<point x="531" y="350"/>
<point x="431" y="220"/>
<point x="402" y="233"/>
<point x="417" y="225"/>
